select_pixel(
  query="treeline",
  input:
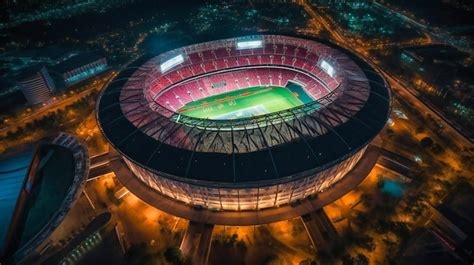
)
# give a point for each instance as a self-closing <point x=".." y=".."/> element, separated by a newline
<point x="55" y="119"/>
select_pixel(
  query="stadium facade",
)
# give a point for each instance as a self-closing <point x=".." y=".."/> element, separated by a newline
<point x="253" y="162"/>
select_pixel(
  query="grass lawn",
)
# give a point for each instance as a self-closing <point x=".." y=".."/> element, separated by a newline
<point x="242" y="103"/>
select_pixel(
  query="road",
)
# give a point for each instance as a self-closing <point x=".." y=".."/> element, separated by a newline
<point x="37" y="114"/>
<point x="320" y="229"/>
<point x="460" y="140"/>
<point x="441" y="36"/>
<point x="197" y="242"/>
<point x="397" y="86"/>
<point x="100" y="166"/>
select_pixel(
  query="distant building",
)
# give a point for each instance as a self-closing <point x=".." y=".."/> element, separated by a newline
<point x="36" y="84"/>
<point x="80" y="67"/>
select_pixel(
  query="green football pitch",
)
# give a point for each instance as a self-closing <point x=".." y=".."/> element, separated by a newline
<point x="242" y="103"/>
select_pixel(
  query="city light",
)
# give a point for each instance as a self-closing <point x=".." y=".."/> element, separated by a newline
<point x="252" y="44"/>
<point x="249" y="134"/>
<point x="327" y="68"/>
<point x="170" y="63"/>
<point x="85" y="74"/>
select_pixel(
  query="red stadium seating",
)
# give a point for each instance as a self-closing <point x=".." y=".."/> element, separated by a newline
<point x="186" y="72"/>
<point x="234" y="53"/>
<point x="281" y="62"/>
<point x="195" y="59"/>
<point x="246" y="52"/>
<point x="301" y="53"/>
<point x="221" y="53"/>
<point x="232" y="62"/>
<point x="268" y="48"/>
<point x="265" y="59"/>
<point x="279" y="49"/>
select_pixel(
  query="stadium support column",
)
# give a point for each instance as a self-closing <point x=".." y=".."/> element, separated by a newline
<point x="196" y="242"/>
<point x="320" y="230"/>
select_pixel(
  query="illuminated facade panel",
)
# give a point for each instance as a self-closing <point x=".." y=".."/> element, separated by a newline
<point x="327" y="68"/>
<point x="170" y="63"/>
<point x="81" y="67"/>
<point x="245" y="198"/>
<point x="250" y="44"/>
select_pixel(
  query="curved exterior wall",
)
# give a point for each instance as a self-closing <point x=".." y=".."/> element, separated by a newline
<point x="38" y="87"/>
<point x="250" y="163"/>
<point x="245" y="197"/>
<point x="80" y="155"/>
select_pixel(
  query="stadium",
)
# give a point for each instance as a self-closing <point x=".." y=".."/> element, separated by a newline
<point x="242" y="124"/>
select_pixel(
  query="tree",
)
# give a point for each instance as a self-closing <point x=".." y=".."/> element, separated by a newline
<point x="347" y="260"/>
<point x="138" y="255"/>
<point x="270" y="260"/>
<point x="364" y="241"/>
<point x="325" y="257"/>
<point x="437" y="149"/>
<point x="426" y="142"/>
<point x="308" y="262"/>
<point x="467" y="160"/>
<point x="362" y="219"/>
<point x="241" y="245"/>
<point x="390" y="132"/>
<point x="174" y="256"/>
<point x="401" y="230"/>
<point x="361" y="259"/>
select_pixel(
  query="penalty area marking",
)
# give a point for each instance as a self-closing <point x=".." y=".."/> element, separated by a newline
<point x="243" y="113"/>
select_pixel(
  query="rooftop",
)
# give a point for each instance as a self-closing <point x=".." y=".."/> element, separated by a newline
<point x="77" y="61"/>
<point x="13" y="171"/>
<point x="38" y="186"/>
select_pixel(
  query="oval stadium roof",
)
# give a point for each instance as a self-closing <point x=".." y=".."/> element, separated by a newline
<point x="272" y="147"/>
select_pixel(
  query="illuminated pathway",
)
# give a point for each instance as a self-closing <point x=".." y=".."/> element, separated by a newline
<point x="320" y="230"/>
